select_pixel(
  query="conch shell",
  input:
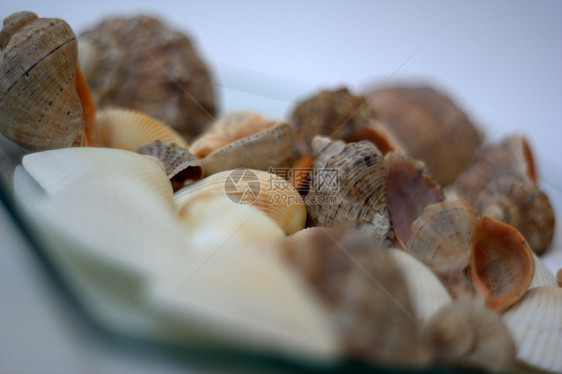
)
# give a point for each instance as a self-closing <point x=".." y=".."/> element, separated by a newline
<point x="140" y="63"/>
<point x="429" y="127"/>
<point x="364" y="291"/>
<point x="470" y="334"/>
<point x="347" y="186"/>
<point x="44" y="101"/>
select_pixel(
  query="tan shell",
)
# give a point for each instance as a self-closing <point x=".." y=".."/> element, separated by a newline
<point x="441" y="240"/>
<point x="512" y="155"/>
<point x="426" y="291"/>
<point x="429" y="126"/>
<point x="559" y="277"/>
<point x="536" y="325"/>
<point x="518" y="202"/>
<point x="142" y="64"/>
<point x="178" y="163"/>
<point x="270" y="193"/>
<point x="347" y="186"/>
<point x="271" y="148"/>
<point x="470" y="334"/>
<point x="228" y="129"/>
<point x="128" y="129"/>
<point x="40" y="107"/>
<point x="502" y="263"/>
<point x="337" y="114"/>
<point x="366" y="294"/>
<point x="409" y="189"/>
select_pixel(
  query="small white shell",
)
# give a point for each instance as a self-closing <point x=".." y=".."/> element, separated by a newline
<point x="427" y="292"/>
<point x="536" y="325"/>
<point x="543" y="277"/>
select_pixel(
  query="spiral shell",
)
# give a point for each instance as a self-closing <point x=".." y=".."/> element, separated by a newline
<point x="40" y="103"/>
<point x="429" y="126"/>
<point x="347" y="186"/>
<point x="142" y="64"/>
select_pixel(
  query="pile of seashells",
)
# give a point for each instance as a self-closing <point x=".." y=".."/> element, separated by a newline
<point x="376" y="228"/>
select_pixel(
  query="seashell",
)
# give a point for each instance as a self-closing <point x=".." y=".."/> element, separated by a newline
<point x="513" y="155"/>
<point x="376" y="132"/>
<point x="427" y="292"/>
<point x="337" y="114"/>
<point x="470" y="334"/>
<point x="502" y="264"/>
<point x="366" y="294"/>
<point x="266" y="150"/>
<point x="54" y="169"/>
<point x="142" y="64"/>
<point x="44" y="102"/>
<point x="441" y="240"/>
<point x="409" y="189"/>
<point x="559" y="277"/>
<point x="127" y="129"/>
<point x="429" y="127"/>
<point x="180" y="165"/>
<point x="543" y="277"/>
<point x="268" y="192"/>
<point x="536" y="327"/>
<point x="518" y="202"/>
<point x="227" y="129"/>
<point x="347" y="186"/>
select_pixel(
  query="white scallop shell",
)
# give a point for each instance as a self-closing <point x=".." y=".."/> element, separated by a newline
<point x="55" y="169"/>
<point x="426" y="291"/>
<point x="536" y="325"/>
<point x="543" y="277"/>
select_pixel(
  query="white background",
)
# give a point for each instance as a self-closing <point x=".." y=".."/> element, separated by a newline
<point x="501" y="61"/>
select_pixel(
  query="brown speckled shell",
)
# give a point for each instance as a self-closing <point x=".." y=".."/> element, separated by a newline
<point x="429" y="126"/>
<point x="364" y="290"/>
<point x="140" y="63"/>
<point x="39" y="104"/>
<point x="347" y="186"/>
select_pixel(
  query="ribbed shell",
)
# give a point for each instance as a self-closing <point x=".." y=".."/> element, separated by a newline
<point x="543" y="277"/>
<point x="54" y="169"/>
<point x="441" y="238"/>
<point x="128" y="129"/>
<point x="39" y="104"/>
<point x="409" y="189"/>
<point x="271" y="148"/>
<point x="429" y="126"/>
<point x="270" y="193"/>
<point x="426" y="291"/>
<point x="536" y="325"/>
<point x="347" y="186"/>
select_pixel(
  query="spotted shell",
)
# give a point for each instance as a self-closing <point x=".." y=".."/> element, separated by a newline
<point x="347" y="186"/>
<point x="41" y="88"/>
<point x="429" y="126"/>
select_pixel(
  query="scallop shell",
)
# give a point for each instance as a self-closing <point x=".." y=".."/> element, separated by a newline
<point x="54" y="169"/>
<point x="365" y="292"/>
<point x="179" y="164"/>
<point x="536" y="326"/>
<point x="409" y="189"/>
<point x="518" y="202"/>
<point x="427" y="292"/>
<point x="502" y="263"/>
<point x="470" y="334"/>
<point x="268" y="149"/>
<point x="40" y="106"/>
<point x="543" y="277"/>
<point x="347" y="186"/>
<point x="142" y="64"/>
<point x="127" y="129"/>
<point x="268" y="192"/>
<point x="429" y="126"/>
<point x="337" y="114"/>
<point x="441" y="240"/>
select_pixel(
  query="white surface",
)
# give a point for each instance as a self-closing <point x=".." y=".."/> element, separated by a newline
<point x="499" y="60"/>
